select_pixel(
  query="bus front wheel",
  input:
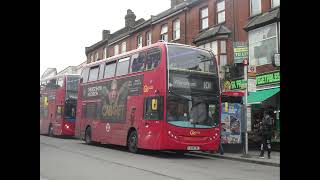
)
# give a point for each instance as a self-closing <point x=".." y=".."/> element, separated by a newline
<point x="133" y="142"/>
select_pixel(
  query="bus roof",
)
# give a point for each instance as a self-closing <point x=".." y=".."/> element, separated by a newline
<point x="157" y="44"/>
<point x="57" y="76"/>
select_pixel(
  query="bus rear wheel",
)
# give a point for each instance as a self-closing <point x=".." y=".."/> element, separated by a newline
<point x="88" y="136"/>
<point x="50" y="130"/>
<point x="133" y="142"/>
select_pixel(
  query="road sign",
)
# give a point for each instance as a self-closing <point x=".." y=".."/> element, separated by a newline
<point x="245" y="62"/>
<point x="252" y="70"/>
<point x="252" y="85"/>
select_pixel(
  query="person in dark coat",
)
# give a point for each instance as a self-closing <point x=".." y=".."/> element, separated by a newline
<point x="266" y="133"/>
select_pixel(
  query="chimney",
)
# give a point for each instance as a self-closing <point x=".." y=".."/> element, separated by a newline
<point x="105" y="34"/>
<point x="176" y="2"/>
<point x="130" y="18"/>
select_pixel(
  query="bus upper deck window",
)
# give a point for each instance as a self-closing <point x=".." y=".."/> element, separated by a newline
<point x="137" y="61"/>
<point x="153" y="59"/>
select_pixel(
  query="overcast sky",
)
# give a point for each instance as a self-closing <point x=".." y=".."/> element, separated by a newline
<point x="68" y="26"/>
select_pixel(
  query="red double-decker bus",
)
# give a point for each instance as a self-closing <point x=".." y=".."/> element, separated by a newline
<point x="164" y="96"/>
<point x="58" y="100"/>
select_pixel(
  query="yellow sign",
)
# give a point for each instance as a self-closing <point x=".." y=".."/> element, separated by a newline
<point x="154" y="105"/>
<point x="146" y="88"/>
<point x="226" y="107"/>
<point x="45" y="101"/>
<point x="194" y="132"/>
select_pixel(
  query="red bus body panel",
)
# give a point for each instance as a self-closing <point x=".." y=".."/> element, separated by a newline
<point x="152" y="134"/>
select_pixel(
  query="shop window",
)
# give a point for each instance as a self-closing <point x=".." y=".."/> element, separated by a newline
<point x="263" y="44"/>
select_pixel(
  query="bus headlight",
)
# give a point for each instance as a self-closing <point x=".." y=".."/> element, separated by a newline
<point x="67" y="126"/>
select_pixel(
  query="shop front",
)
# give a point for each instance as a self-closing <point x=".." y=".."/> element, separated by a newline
<point x="266" y="98"/>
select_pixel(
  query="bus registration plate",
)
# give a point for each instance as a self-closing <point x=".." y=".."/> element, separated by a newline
<point x="193" y="148"/>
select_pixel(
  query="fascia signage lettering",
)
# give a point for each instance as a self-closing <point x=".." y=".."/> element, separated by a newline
<point x="262" y="79"/>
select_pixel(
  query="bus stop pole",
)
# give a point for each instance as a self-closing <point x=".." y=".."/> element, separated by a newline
<point x="245" y="68"/>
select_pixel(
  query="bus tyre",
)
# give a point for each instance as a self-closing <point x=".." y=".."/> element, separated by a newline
<point x="133" y="142"/>
<point x="88" y="136"/>
<point x="50" y="130"/>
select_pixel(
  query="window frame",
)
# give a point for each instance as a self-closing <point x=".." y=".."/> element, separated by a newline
<point x="148" y="41"/>
<point x="124" y="59"/>
<point x="144" y="60"/>
<point x="202" y="18"/>
<point x="174" y="30"/>
<point x="105" y="66"/>
<point x="105" y="49"/>
<point x="255" y="42"/>
<point x="164" y="34"/>
<point x="260" y="9"/>
<point x="139" y="39"/>
<point x="221" y="11"/>
<point x="221" y="53"/>
<point x="93" y="67"/>
<point x="96" y="56"/>
<point x="272" y="4"/>
<point x="124" y="43"/>
<point x="116" y="47"/>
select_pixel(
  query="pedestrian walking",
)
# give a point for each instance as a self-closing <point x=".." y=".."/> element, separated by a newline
<point x="266" y="133"/>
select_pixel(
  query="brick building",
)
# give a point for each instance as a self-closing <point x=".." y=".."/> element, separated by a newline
<point x="214" y="24"/>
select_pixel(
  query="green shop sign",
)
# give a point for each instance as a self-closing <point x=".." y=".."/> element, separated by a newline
<point x="262" y="79"/>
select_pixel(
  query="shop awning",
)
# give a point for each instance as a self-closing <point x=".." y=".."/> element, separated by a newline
<point x="259" y="96"/>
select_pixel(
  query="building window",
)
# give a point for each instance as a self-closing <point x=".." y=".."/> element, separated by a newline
<point x="213" y="46"/>
<point x="164" y="33"/>
<point x="123" y="47"/>
<point x="176" y="29"/>
<point x="97" y="56"/>
<point x="204" y="18"/>
<point x="139" y="41"/>
<point x="255" y="6"/>
<point x="223" y="53"/>
<point x="275" y="3"/>
<point x="105" y="53"/>
<point x="116" y="50"/>
<point x="91" y="58"/>
<point x="221" y="12"/>
<point x="148" y="38"/>
<point x="263" y="44"/>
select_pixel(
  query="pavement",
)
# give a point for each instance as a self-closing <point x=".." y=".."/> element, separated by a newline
<point x="253" y="157"/>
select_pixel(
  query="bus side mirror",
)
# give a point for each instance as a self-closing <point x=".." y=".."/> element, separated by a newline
<point x="81" y="80"/>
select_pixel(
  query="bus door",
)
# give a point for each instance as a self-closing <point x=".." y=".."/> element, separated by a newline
<point x="151" y="121"/>
<point x="58" y="119"/>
